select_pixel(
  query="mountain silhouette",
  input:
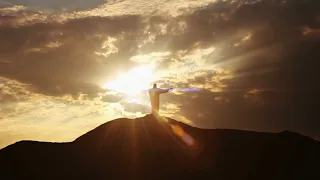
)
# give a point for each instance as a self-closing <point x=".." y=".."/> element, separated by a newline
<point x="162" y="148"/>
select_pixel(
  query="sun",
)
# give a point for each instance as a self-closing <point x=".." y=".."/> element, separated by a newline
<point x="133" y="82"/>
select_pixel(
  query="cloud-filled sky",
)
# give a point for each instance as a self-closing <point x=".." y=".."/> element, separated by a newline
<point x="67" y="67"/>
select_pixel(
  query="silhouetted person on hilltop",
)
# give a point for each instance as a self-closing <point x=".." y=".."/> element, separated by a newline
<point x="154" y="94"/>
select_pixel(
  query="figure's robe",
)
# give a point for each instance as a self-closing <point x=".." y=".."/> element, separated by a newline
<point x="154" y="95"/>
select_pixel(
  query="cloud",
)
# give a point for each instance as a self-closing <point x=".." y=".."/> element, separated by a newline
<point x="134" y="107"/>
<point x="12" y="9"/>
<point x="147" y="8"/>
<point x="61" y="11"/>
<point x="214" y="28"/>
<point x="153" y="58"/>
<point x="57" y="5"/>
<point x="111" y="98"/>
<point x="59" y="59"/>
<point x="26" y="115"/>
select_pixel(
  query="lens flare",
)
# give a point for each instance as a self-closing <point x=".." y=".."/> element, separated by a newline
<point x="188" y="89"/>
<point x="182" y="134"/>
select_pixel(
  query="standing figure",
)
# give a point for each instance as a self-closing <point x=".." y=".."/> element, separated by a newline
<point x="154" y="94"/>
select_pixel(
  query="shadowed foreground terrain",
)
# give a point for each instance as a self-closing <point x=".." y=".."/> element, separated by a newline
<point x="153" y="148"/>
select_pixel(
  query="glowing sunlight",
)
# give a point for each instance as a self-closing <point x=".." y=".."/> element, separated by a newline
<point x="133" y="82"/>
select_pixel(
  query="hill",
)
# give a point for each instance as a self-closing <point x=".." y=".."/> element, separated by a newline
<point x="162" y="148"/>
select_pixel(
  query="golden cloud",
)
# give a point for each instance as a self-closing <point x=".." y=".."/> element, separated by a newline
<point x="25" y="114"/>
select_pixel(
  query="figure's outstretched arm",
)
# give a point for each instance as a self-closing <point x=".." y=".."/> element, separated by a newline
<point x="165" y="90"/>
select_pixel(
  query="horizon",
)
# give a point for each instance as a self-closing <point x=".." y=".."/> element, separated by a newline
<point x="68" y="67"/>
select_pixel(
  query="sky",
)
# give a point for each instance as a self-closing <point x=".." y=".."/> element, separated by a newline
<point x="67" y="67"/>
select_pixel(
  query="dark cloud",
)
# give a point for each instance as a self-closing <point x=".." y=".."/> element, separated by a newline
<point x="276" y="44"/>
<point x="56" y="5"/>
<point x="280" y="59"/>
<point x="267" y="111"/>
<point x="59" y="59"/>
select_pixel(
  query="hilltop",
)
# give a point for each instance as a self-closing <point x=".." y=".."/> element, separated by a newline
<point x="162" y="148"/>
